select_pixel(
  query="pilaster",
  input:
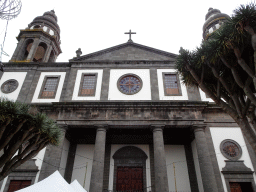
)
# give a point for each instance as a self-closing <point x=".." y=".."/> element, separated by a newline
<point x="18" y="49"/>
<point x="70" y="162"/>
<point x="47" y="53"/>
<point x="52" y="157"/>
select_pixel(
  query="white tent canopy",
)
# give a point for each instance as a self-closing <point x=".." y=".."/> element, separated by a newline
<point x="54" y="183"/>
<point x="77" y="186"/>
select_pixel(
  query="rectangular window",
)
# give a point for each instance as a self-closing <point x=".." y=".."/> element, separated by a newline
<point x="18" y="184"/>
<point x="49" y="87"/>
<point x="171" y="84"/>
<point x="88" y="84"/>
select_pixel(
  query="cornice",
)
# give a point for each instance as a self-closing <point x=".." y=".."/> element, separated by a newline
<point x="168" y="105"/>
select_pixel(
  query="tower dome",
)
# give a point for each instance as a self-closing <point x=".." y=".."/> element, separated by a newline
<point x="213" y="20"/>
<point x="48" y="22"/>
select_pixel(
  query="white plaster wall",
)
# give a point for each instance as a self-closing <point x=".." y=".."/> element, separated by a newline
<point x="143" y="94"/>
<point x="197" y="167"/>
<point x="77" y="85"/>
<point x="39" y="162"/>
<point x="114" y="148"/>
<point x="20" y="77"/>
<point x="221" y="133"/>
<point x="184" y="95"/>
<point x="203" y="96"/>
<point x="175" y="154"/>
<point x="64" y="157"/>
<point x="40" y="84"/>
<point x="83" y="165"/>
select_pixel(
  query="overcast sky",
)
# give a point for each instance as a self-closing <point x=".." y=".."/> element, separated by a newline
<point x="93" y="25"/>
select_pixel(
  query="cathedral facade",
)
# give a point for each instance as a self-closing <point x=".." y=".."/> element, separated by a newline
<point x="128" y="122"/>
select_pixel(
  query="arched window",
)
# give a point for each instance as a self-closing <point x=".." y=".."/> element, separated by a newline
<point x="36" y="27"/>
<point x="40" y="52"/>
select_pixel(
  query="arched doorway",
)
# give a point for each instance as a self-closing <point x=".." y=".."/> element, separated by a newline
<point x="129" y="169"/>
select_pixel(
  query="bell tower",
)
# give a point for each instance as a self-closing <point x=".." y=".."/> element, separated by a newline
<point x="213" y="20"/>
<point x="40" y="41"/>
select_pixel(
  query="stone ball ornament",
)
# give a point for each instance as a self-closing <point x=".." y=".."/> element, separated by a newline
<point x="10" y="9"/>
<point x="9" y="86"/>
<point x="231" y="149"/>
<point x="129" y="84"/>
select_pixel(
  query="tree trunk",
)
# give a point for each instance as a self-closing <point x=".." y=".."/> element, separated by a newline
<point x="247" y="131"/>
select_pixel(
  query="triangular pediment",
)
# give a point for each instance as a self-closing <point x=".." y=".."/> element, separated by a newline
<point x="127" y="52"/>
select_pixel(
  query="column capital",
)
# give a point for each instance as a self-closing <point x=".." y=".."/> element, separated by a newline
<point x="101" y="127"/>
<point x="198" y="127"/>
<point x="62" y="125"/>
<point x="157" y="127"/>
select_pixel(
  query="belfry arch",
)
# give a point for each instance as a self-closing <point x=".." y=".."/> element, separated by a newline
<point x="26" y="49"/>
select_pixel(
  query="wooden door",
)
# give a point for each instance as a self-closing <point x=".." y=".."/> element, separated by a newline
<point x="129" y="179"/>
<point x="18" y="184"/>
<point x="235" y="187"/>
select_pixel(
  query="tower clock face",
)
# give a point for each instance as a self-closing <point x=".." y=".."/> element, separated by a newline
<point x="9" y="86"/>
<point x="129" y="84"/>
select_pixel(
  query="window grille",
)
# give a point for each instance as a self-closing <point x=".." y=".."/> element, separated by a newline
<point x="50" y="87"/>
<point x="171" y="85"/>
<point x="88" y="85"/>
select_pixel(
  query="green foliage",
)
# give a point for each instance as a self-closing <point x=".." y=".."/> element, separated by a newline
<point x="17" y="112"/>
<point x="220" y="45"/>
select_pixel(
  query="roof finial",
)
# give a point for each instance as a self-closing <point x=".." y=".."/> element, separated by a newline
<point x="130" y="34"/>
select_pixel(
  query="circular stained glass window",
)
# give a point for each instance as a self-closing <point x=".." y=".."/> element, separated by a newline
<point x="231" y="149"/>
<point x="9" y="86"/>
<point x="129" y="84"/>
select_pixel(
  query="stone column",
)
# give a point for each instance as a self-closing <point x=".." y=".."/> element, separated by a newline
<point x="161" y="181"/>
<point x="98" y="159"/>
<point x="33" y="49"/>
<point x="52" y="156"/>
<point x="205" y="162"/>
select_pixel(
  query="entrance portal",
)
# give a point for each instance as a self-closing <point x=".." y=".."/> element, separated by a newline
<point x="129" y="179"/>
<point x="129" y="170"/>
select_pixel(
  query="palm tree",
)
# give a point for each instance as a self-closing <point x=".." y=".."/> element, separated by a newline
<point x="224" y="68"/>
<point x="23" y="133"/>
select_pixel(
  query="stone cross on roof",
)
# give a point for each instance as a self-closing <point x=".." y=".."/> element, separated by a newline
<point x="130" y="34"/>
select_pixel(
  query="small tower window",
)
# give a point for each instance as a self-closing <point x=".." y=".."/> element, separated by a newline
<point x="36" y="27"/>
<point x="88" y="85"/>
<point x="171" y="84"/>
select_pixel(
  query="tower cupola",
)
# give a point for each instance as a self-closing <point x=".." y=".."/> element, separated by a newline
<point x="40" y="41"/>
<point x="213" y="20"/>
